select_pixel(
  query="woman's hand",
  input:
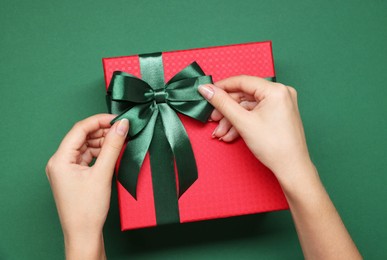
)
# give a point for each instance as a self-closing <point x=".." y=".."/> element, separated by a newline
<point x="266" y="115"/>
<point x="82" y="192"/>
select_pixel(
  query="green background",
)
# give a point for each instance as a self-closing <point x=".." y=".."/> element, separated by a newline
<point x="333" y="52"/>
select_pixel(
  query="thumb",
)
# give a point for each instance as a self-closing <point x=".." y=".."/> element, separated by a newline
<point x="112" y="146"/>
<point x="223" y="102"/>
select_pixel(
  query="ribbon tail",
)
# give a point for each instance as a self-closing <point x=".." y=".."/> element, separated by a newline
<point x="181" y="148"/>
<point x="134" y="155"/>
<point x="163" y="177"/>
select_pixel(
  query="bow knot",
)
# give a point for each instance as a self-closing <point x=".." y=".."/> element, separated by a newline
<point x="160" y="96"/>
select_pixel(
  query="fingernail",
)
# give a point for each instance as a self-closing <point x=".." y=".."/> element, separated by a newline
<point x="122" y="127"/>
<point x="213" y="133"/>
<point x="206" y="91"/>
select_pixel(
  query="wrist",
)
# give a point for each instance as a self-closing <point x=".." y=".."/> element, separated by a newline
<point x="299" y="179"/>
<point x="85" y="246"/>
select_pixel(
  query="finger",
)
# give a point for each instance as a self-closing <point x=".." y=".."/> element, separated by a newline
<point x="83" y="148"/>
<point x="231" y="135"/>
<point x="249" y="85"/>
<point x="77" y="136"/>
<point x="248" y="105"/>
<point x="88" y="156"/>
<point x="216" y="115"/>
<point x="96" y="143"/>
<point x="111" y="147"/>
<point x="84" y="163"/>
<point x="227" y="106"/>
<point x="99" y="133"/>
<point x="222" y="128"/>
<point x="240" y="96"/>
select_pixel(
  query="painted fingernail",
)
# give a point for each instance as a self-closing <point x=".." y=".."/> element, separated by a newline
<point x="206" y="91"/>
<point x="122" y="127"/>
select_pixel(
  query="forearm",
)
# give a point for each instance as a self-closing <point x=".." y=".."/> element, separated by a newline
<point x="321" y="231"/>
<point x="85" y="247"/>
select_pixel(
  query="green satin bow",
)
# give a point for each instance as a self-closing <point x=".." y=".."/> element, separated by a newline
<point x="151" y="106"/>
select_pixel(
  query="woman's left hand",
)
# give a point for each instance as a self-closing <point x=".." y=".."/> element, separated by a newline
<point x="82" y="192"/>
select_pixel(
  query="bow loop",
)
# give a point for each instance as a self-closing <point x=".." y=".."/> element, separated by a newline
<point x="191" y="71"/>
<point x="126" y="87"/>
<point x="184" y="98"/>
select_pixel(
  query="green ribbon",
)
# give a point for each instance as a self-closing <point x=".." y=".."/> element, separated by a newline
<point x="151" y="106"/>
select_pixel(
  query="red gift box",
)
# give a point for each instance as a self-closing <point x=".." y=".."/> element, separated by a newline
<point x="231" y="181"/>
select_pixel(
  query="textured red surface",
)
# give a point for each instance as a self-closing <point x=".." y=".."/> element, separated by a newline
<point x="231" y="181"/>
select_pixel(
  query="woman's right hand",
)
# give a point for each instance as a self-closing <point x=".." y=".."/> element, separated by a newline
<point x="265" y="115"/>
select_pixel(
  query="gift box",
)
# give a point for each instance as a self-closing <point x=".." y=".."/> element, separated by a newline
<point x="165" y="187"/>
